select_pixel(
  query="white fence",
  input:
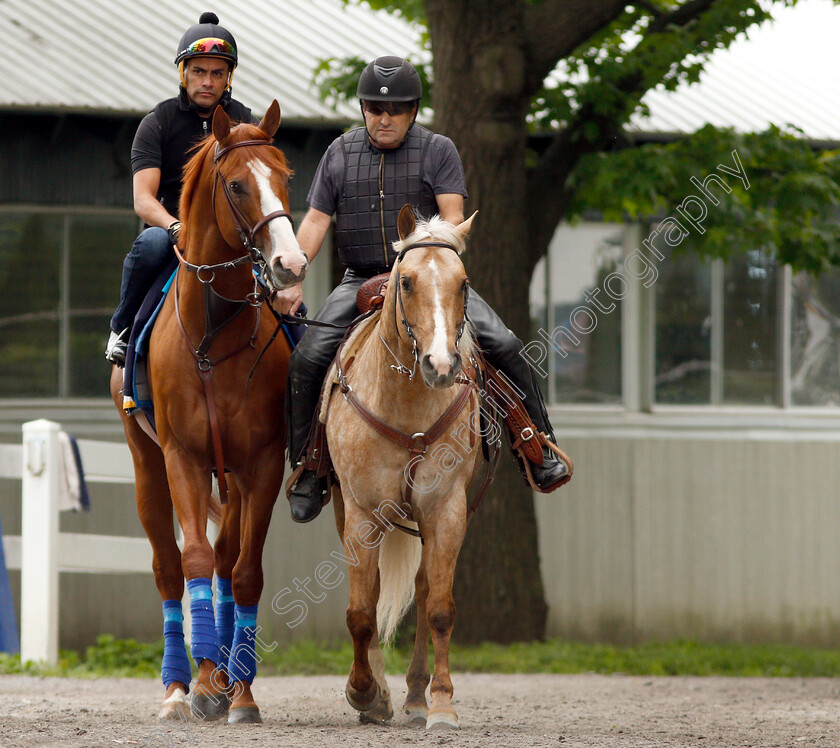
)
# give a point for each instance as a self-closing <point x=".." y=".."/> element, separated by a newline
<point x="41" y="552"/>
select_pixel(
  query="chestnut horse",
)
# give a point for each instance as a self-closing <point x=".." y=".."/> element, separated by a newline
<point x="218" y="407"/>
<point x="421" y="326"/>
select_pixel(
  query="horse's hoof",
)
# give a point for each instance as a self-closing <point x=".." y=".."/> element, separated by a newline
<point x="379" y="715"/>
<point x="244" y="715"/>
<point x="365" y="701"/>
<point x="174" y="709"/>
<point x="416" y="714"/>
<point x="442" y="721"/>
<point x="209" y="707"/>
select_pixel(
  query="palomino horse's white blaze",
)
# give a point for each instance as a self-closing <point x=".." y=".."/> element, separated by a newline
<point x="438" y="352"/>
<point x="284" y="246"/>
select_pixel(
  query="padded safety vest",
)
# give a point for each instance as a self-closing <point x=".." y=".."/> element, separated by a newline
<point x="377" y="183"/>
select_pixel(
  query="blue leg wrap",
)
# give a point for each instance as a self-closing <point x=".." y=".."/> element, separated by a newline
<point x="242" y="664"/>
<point x="205" y="642"/>
<point x="224" y="616"/>
<point x="175" y="667"/>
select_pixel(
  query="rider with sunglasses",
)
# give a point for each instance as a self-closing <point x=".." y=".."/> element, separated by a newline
<point x="206" y="58"/>
<point x="365" y="178"/>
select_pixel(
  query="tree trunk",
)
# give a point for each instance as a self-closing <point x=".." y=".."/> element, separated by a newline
<point x="481" y="102"/>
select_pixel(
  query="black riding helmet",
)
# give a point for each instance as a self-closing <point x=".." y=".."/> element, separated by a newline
<point x="207" y="39"/>
<point x="389" y="79"/>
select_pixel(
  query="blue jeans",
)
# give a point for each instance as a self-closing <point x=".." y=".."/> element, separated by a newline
<point x="149" y="255"/>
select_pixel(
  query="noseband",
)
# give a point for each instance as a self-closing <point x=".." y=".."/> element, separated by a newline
<point x="398" y="299"/>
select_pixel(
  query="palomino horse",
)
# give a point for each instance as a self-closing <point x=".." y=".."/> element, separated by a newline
<point x="218" y="406"/>
<point x="421" y="326"/>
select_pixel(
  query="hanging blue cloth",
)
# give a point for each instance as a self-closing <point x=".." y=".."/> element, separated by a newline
<point x="8" y="622"/>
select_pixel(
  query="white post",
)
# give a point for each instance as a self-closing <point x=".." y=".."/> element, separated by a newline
<point x="39" y="542"/>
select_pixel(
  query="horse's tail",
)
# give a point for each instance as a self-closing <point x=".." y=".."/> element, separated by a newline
<point x="399" y="559"/>
<point x="214" y="509"/>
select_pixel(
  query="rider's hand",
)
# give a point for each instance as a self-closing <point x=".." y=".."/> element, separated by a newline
<point x="288" y="301"/>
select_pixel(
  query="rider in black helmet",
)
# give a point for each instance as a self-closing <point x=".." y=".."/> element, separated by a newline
<point x="206" y="58"/>
<point x="364" y="178"/>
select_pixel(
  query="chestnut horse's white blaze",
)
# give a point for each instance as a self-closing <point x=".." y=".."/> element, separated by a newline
<point x="285" y="250"/>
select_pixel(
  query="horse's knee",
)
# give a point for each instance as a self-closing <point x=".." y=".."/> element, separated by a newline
<point x="247" y="586"/>
<point x="197" y="559"/>
<point x="442" y="619"/>
<point x="361" y="624"/>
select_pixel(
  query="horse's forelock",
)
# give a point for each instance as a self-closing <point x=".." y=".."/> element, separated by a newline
<point x="433" y="229"/>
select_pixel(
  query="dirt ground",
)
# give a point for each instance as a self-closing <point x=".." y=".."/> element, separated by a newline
<point x="510" y="711"/>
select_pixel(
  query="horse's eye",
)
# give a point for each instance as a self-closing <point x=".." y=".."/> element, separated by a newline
<point x="405" y="284"/>
<point x="236" y="188"/>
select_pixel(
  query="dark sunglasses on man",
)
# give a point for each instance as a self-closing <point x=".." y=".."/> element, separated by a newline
<point x="391" y="108"/>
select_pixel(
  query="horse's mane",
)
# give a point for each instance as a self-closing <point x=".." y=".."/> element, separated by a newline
<point x="436" y="229"/>
<point x="194" y="166"/>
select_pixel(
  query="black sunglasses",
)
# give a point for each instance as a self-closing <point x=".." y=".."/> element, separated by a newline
<point x="391" y="108"/>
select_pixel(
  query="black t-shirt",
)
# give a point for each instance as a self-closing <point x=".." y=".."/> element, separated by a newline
<point x="165" y="136"/>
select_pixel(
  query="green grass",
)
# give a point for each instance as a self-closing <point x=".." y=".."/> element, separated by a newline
<point x="126" y="657"/>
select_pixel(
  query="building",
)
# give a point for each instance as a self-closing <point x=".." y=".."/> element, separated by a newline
<point x="702" y="412"/>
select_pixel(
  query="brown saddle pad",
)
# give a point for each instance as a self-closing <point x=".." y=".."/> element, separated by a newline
<point x="372" y="293"/>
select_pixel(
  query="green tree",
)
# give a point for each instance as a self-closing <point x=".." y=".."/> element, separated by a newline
<point x="493" y="67"/>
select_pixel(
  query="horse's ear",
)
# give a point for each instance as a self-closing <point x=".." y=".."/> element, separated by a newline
<point x="464" y="228"/>
<point x="406" y="223"/>
<point x="221" y="124"/>
<point x="271" y="121"/>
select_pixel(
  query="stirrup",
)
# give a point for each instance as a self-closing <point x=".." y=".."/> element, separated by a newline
<point x="115" y="349"/>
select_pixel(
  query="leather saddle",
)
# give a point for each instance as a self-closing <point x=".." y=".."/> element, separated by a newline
<point x="371" y="294"/>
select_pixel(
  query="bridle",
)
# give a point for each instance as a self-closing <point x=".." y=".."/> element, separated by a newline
<point x="399" y="367"/>
<point x="247" y="233"/>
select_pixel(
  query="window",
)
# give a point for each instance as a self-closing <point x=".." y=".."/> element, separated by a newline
<point x="580" y="326"/>
<point x="697" y="332"/>
<point x="59" y="284"/>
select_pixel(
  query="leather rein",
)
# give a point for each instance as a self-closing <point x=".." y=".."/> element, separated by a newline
<point x="419" y="442"/>
<point x="219" y="311"/>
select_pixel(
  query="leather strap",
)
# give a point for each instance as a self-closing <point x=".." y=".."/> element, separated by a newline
<point x="207" y="379"/>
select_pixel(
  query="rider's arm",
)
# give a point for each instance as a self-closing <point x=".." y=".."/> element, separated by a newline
<point x="311" y="234"/>
<point x="146" y="204"/>
<point x="451" y="207"/>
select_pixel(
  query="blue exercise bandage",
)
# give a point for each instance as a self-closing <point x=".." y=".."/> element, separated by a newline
<point x="242" y="664"/>
<point x="175" y="667"/>
<point x="205" y="642"/>
<point x="224" y="617"/>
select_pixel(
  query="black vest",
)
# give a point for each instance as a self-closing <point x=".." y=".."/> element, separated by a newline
<point x="377" y="183"/>
<point x="180" y="129"/>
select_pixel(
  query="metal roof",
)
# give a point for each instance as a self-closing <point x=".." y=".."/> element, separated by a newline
<point x="785" y="71"/>
<point x="116" y="56"/>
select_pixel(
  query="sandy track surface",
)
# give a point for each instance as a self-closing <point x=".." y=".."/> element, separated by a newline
<point x="509" y="711"/>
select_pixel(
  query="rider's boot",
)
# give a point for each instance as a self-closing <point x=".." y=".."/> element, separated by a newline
<point x="306" y="491"/>
<point x="115" y="349"/>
